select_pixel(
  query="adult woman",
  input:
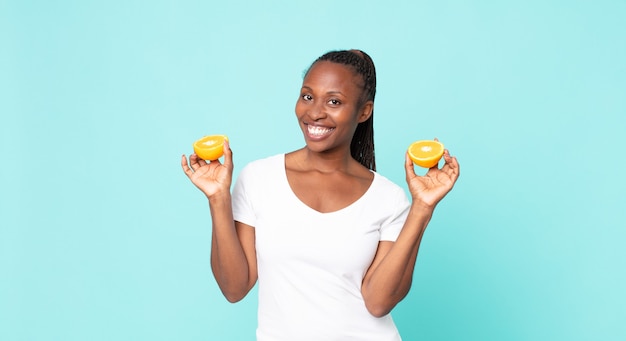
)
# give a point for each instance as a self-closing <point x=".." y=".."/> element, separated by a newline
<point x="332" y="243"/>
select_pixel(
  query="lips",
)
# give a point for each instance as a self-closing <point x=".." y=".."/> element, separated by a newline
<point x="318" y="132"/>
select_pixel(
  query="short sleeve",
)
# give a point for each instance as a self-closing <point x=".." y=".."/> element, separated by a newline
<point x="391" y="227"/>
<point x="243" y="210"/>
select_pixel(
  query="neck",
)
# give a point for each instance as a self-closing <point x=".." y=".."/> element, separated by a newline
<point x="326" y="162"/>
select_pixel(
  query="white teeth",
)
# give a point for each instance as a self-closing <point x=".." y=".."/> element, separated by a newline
<point x="318" y="131"/>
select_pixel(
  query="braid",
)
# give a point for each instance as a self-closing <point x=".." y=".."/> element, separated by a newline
<point x="362" y="145"/>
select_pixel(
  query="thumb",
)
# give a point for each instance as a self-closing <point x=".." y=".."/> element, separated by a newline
<point x="228" y="155"/>
<point x="408" y="167"/>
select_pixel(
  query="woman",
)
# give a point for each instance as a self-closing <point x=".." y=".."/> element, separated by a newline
<point x="332" y="243"/>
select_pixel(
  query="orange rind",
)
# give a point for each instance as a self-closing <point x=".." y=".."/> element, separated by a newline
<point x="210" y="147"/>
<point x="426" y="153"/>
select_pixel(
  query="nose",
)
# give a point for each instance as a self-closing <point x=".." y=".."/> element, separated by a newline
<point x="316" y="111"/>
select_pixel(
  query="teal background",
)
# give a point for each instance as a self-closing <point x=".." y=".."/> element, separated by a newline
<point x="102" y="237"/>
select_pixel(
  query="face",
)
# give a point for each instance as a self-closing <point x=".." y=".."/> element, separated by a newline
<point x="330" y="106"/>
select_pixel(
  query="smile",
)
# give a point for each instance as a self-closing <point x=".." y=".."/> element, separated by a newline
<point x="316" y="131"/>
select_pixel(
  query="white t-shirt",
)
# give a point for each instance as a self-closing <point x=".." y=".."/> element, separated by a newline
<point x="311" y="264"/>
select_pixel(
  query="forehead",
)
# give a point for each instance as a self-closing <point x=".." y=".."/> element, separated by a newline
<point x="329" y="72"/>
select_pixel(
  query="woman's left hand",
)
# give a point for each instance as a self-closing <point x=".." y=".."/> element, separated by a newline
<point x="435" y="184"/>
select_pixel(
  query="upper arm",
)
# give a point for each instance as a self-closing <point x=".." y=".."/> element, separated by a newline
<point x="246" y="235"/>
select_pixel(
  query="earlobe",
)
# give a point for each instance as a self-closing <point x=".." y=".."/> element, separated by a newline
<point x="366" y="111"/>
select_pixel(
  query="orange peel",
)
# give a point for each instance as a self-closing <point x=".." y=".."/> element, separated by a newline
<point x="426" y="153"/>
<point x="210" y="147"/>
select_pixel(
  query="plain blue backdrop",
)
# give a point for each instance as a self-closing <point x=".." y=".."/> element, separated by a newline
<point x="102" y="237"/>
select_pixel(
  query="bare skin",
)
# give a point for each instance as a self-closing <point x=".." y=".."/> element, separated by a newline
<point x="326" y="190"/>
<point x="233" y="255"/>
<point x="324" y="176"/>
<point x="389" y="278"/>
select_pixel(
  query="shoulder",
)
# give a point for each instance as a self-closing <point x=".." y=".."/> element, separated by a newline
<point x="255" y="180"/>
<point x="261" y="168"/>
<point x="385" y="188"/>
<point x="386" y="184"/>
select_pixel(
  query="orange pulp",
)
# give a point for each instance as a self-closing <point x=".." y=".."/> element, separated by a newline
<point x="426" y="153"/>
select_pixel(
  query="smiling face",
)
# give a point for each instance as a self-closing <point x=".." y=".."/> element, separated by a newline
<point x="330" y="106"/>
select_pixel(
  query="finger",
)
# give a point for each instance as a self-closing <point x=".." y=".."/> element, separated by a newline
<point x="193" y="161"/>
<point x="196" y="162"/>
<point x="185" y="166"/>
<point x="456" y="168"/>
<point x="228" y="155"/>
<point x="408" y="167"/>
<point x="446" y="158"/>
<point x="452" y="168"/>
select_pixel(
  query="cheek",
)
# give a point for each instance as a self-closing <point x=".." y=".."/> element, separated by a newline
<point x="347" y="116"/>
<point x="297" y="111"/>
<point x="299" y="108"/>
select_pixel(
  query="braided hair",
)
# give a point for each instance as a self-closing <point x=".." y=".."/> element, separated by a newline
<point x="362" y="145"/>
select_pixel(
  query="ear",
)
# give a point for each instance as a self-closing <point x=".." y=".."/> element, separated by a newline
<point x="366" y="111"/>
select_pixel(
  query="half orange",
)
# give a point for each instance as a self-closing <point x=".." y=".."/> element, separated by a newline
<point x="426" y="153"/>
<point x="210" y="147"/>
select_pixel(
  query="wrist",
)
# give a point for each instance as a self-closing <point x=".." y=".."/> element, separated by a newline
<point x="422" y="209"/>
<point x="420" y="204"/>
<point x="219" y="198"/>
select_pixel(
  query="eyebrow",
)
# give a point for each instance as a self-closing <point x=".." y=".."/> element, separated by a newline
<point x="329" y="92"/>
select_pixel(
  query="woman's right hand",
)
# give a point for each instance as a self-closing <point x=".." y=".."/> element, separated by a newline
<point x="212" y="178"/>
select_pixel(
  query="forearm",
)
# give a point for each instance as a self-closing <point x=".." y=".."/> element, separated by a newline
<point x="391" y="280"/>
<point x="228" y="260"/>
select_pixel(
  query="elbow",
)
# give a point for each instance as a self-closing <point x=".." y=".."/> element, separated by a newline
<point x="234" y="296"/>
<point x="381" y="305"/>
<point x="235" y="293"/>
<point x="379" y="312"/>
<point x="380" y="309"/>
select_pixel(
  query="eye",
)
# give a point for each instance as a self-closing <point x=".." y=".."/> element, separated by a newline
<point x="334" y="102"/>
<point x="307" y="97"/>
